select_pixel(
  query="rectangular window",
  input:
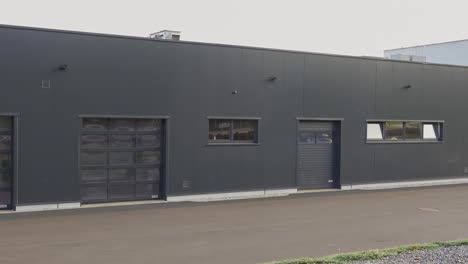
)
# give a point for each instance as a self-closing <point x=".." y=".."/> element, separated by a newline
<point x="396" y="131"/>
<point x="233" y="131"/>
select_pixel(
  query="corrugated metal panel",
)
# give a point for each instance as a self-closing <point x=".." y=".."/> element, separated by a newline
<point x="316" y="162"/>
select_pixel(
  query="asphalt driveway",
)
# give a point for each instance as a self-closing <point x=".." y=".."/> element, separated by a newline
<point x="245" y="231"/>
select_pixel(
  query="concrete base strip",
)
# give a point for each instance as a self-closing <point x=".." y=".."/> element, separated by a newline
<point x="44" y="207"/>
<point x="254" y="194"/>
<point x="231" y="195"/>
<point x="393" y="185"/>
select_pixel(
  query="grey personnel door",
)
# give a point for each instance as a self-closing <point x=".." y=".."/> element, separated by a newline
<point x="317" y="154"/>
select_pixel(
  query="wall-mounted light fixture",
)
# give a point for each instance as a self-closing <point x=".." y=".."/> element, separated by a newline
<point x="63" y="67"/>
<point x="235" y="92"/>
<point x="272" y="78"/>
<point x="407" y="86"/>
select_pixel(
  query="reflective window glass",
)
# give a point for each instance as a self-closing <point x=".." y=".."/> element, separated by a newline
<point x="122" y="141"/>
<point x="393" y="130"/>
<point x="148" y="124"/>
<point x="127" y="174"/>
<point x="244" y="130"/>
<point x="5" y="179"/>
<point x="307" y="137"/>
<point x="148" y="141"/>
<point x="219" y="130"/>
<point x="123" y="124"/>
<point x="374" y="131"/>
<point x="149" y="157"/>
<point x="430" y="131"/>
<point x="95" y="124"/>
<point x="413" y="130"/>
<point x="6" y="123"/>
<point x="121" y="190"/>
<point x="93" y="157"/>
<point x="324" y="137"/>
<point x="121" y="158"/>
<point x="5" y="142"/>
<point x="94" y="141"/>
<point x="147" y="174"/>
<point x="144" y="189"/>
<point x="94" y="192"/>
<point x="94" y="175"/>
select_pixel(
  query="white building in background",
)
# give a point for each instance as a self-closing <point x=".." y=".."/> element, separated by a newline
<point x="453" y="52"/>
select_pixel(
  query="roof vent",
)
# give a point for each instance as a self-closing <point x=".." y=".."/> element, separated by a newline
<point x="166" y="34"/>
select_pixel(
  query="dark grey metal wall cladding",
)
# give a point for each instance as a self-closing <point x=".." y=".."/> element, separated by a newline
<point x="109" y="75"/>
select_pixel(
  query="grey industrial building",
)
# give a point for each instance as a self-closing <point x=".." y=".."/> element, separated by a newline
<point x="96" y="118"/>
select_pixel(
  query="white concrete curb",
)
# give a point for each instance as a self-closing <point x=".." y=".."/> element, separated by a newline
<point x="407" y="184"/>
<point x="231" y="195"/>
<point x="46" y="207"/>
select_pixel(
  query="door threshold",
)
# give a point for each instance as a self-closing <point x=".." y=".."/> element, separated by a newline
<point x="318" y="190"/>
<point x="124" y="203"/>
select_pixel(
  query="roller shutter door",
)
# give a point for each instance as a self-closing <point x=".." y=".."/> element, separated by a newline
<point x="317" y="147"/>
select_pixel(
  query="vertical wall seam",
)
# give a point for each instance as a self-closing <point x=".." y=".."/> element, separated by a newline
<point x="375" y="90"/>
<point x="260" y="124"/>
<point x="303" y="84"/>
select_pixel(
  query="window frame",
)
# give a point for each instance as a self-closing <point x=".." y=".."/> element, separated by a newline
<point x="231" y="141"/>
<point x="438" y="130"/>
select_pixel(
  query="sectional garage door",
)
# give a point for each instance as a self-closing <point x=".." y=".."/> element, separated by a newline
<point x="317" y="155"/>
<point x="121" y="159"/>
<point x="6" y="161"/>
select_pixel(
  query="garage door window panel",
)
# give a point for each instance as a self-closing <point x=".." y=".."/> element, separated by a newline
<point x="91" y="193"/>
<point x="94" y="141"/>
<point x="95" y="124"/>
<point x="307" y="137"/>
<point x="93" y="175"/>
<point x="148" y="141"/>
<point x="148" y="125"/>
<point x="122" y="141"/>
<point x="122" y="125"/>
<point x="124" y="174"/>
<point x="5" y="142"/>
<point x="148" y="174"/>
<point x="324" y="137"/>
<point x="93" y="157"/>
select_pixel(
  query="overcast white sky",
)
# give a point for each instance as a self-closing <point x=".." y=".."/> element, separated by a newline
<point x="354" y="27"/>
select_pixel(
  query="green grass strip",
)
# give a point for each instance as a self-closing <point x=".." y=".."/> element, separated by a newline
<point x="373" y="254"/>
